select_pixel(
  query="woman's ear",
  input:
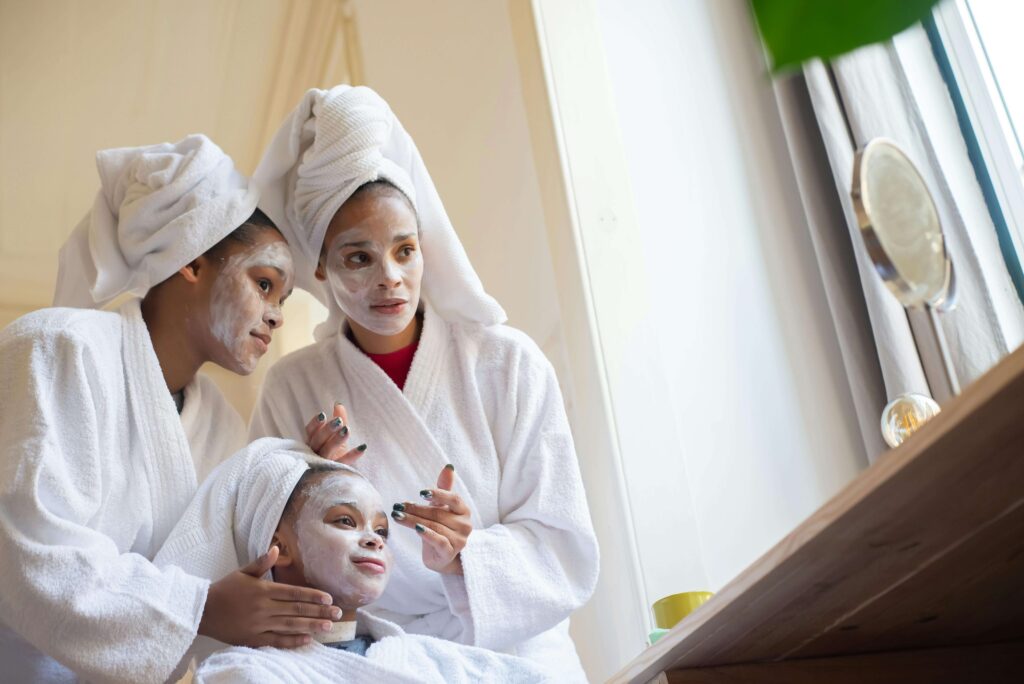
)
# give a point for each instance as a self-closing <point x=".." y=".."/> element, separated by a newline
<point x="284" y="555"/>
<point x="320" y="273"/>
<point x="190" y="272"/>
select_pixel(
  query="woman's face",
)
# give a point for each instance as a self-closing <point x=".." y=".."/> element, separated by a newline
<point x="245" y="300"/>
<point x="372" y="261"/>
<point x="341" y="532"/>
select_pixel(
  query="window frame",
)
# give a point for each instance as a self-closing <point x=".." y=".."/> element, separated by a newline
<point x="980" y="123"/>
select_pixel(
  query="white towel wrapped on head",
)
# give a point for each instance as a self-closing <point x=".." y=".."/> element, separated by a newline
<point x="158" y="208"/>
<point x="232" y="518"/>
<point x="335" y="141"/>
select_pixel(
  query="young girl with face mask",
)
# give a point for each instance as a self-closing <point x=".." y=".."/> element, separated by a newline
<point x="462" y="414"/>
<point x="108" y="429"/>
<point x="330" y="530"/>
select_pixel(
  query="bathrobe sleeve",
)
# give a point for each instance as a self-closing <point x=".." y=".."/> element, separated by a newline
<point x="526" y="574"/>
<point x="67" y="589"/>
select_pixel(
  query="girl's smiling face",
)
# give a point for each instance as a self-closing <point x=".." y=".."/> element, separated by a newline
<point x="340" y="535"/>
<point x="372" y="260"/>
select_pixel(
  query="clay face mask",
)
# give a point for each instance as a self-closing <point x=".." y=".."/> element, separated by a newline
<point x="238" y="307"/>
<point x="375" y="268"/>
<point x="339" y="537"/>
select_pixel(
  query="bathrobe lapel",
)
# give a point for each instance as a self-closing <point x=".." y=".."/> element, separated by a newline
<point x="391" y="421"/>
<point x="387" y="415"/>
<point x="164" y="455"/>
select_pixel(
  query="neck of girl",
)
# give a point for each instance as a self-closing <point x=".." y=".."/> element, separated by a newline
<point x="174" y="345"/>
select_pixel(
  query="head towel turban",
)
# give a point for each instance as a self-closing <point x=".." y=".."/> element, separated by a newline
<point x="232" y="518"/>
<point x="334" y="142"/>
<point x="158" y="208"/>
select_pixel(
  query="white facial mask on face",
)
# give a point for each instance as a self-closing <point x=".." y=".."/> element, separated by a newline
<point x="237" y="306"/>
<point x="375" y="283"/>
<point x="336" y="557"/>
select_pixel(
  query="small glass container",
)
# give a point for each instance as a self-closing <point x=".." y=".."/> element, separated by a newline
<point x="904" y="415"/>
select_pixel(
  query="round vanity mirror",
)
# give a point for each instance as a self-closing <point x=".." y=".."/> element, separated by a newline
<point x="900" y="226"/>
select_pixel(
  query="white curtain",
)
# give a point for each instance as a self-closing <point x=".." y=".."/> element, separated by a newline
<point x="895" y="90"/>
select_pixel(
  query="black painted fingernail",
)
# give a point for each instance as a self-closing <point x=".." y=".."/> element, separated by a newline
<point x="420" y="528"/>
<point x="361" y="447"/>
<point x="427" y="494"/>
<point x="450" y="467"/>
<point x="344" y="431"/>
<point x="398" y="515"/>
<point x="336" y="422"/>
<point x="321" y="417"/>
<point x="399" y="507"/>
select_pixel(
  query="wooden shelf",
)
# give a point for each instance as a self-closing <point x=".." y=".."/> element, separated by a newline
<point x="924" y="550"/>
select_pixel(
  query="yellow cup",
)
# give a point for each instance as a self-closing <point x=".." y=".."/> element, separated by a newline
<point x="670" y="610"/>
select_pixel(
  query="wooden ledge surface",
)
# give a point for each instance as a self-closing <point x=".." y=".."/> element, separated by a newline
<point x="923" y="549"/>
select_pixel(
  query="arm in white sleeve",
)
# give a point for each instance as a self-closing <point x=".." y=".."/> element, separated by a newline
<point x="526" y="574"/>
<point x="66" y="588"/>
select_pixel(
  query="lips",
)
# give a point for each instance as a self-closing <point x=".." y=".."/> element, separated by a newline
<point x="263" y="338"/>
<point x="389" y="306"/>
<point x="374" y="566"/>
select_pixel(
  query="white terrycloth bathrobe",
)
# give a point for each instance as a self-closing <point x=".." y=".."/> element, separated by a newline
<point x="95" y="468"/>
<point x="395" y="658"/>
<point x="479" y="395"/>
<point x="96" y="464"/>
<point x="231" y="522"/>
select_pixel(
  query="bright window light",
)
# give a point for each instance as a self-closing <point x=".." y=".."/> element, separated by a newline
<point x="996" y="40"/>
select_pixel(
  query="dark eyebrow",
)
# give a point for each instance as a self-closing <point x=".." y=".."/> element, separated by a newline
<point x="404" y="237"/>
<point x="280" y="271"/>
<point x="361" y="243"/>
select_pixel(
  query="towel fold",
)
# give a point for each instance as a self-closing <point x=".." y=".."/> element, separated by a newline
<point x="158" y="208"/>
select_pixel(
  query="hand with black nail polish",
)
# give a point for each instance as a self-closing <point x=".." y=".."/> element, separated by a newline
<point x="442" y="523"/>
<point x="328" y="437"/>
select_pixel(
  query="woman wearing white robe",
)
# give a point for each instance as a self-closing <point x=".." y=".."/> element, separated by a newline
<point x="479" y="395"/>
<point x="96" y="464"/>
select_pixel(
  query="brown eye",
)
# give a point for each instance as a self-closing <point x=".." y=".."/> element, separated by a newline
<point x="382" y="531"/>
<point x="265" y="285"/>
